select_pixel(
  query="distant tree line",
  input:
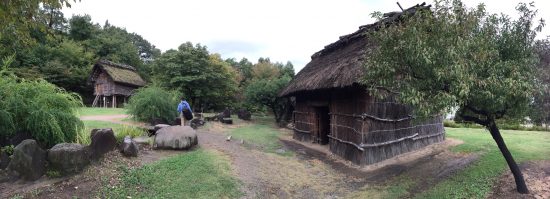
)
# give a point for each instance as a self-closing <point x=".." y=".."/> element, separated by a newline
<point x="43" y="44"/>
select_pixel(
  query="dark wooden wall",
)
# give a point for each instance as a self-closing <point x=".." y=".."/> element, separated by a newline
<point x="363" y="129"/>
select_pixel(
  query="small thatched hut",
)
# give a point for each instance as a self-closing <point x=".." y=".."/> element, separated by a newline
<point x="333" y="108"/>
<point x="113" y="83"/>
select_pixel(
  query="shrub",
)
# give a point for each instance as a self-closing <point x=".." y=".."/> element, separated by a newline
<point x="41" y="109"/>
<point x="153" y="103"/>
<point x="451" y="124"/>
<point x="127" y="130"/>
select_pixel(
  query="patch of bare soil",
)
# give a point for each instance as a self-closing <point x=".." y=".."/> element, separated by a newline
<point x="87" y="184"/>
<point x="537" y="177"/>
<point x="316" y="173"/>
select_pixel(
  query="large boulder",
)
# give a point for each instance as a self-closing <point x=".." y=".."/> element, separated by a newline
<point x="129" y="148"/>
<point x="68" y="158"/>
<point x="176" y="137"/>
<point x="29" y="160"/>
<point x="4" y="160"/>
<point x="103" y="141"/>
<point x="243" y="114"/>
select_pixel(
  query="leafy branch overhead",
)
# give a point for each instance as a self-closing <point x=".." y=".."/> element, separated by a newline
<point x="451" y="56"/>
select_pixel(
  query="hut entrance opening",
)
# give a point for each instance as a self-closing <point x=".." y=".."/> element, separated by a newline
<point x="323" y="124"/>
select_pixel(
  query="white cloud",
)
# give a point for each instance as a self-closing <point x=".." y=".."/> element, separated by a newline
<point x="280" y="29"/>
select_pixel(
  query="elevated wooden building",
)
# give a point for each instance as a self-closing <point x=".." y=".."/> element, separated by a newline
<point x="333" y="108"/>
<point x="113" y="83"/>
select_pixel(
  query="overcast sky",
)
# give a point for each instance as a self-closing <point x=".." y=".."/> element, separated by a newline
<point x="284" y="30"/>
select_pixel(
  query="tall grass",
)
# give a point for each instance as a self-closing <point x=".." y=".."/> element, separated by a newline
<point x="153" y="103"/>
<point x="39" y="108"/>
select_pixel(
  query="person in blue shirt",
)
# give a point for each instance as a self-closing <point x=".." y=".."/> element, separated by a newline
<point x="183" y="105"/>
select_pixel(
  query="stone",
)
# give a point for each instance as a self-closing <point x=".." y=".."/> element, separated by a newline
<point x="4" y="160"/>
<point x="129" y="148"/>
<point x="226" y="113"/>
<point x="68" y="158"/>
<point x="196" y="123"/>
<point x="29" y="160"/>
<point x="243" y="114"/>
<point x="226" y="120"/>
<point x="103" y="141"/>
<point x="176" y="137"/>
<point x="142" y="140"/>
<point x="159" y="126"/>
<point x="280" y="151"/>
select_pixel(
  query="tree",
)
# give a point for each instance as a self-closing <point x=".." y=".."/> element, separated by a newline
<point x="541" y="103"/>
<point x="206" y="80"/>
<point x="453" y="56"/>
<point x="264" y="92"/>
<point x="267" y="80"/>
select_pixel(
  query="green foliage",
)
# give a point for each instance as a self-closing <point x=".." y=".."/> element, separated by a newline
<point x="481" y="62"/>
<point x="45" y="111"/>
<point x="153" y="103"/>
<point x="205" y="80"/>
<point x="53" y="174"/>
<point x="7" y="149"/>
<point x="263" y="92"/>
<point x="128" y="130"/>
<point x="195" y="174"/>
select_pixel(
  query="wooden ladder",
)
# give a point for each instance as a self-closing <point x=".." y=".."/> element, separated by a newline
<point x="94" y="104"/>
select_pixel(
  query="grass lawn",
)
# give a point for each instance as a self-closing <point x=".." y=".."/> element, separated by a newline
<point x="262" y="136"/>
<point x="87" y="111"/>
<point x="196" y="174"/>
<point x="476" y="180"/>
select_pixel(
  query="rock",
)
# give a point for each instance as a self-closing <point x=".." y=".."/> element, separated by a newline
<point x="228" y="138"/>
<point x="103" y="141"/>
<point x="68" y="158"/>
<point x="4" y="160"/>
<point x="142" y="140"/>
<point x="226" y="113"/>
<point x="280" y="151"/>
<point x="159" y="126"/>
<point x="28" y="160"/>
<point x="195" y="123"/>
<point x="226" y="120"/>
<point x="128" y="147"/>
<point x="243" y="114"/>
<point x="176" y="137"/>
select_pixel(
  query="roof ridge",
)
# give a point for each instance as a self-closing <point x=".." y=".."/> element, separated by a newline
<point x="110" y="63"/>
<point x="389" y="17"/>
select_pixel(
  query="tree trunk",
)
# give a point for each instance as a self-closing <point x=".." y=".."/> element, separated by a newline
<point x="518" y="176"/>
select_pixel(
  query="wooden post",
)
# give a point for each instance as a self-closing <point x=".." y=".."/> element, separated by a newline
<point x="104" y="102"/>
<point x="114" y="101"/>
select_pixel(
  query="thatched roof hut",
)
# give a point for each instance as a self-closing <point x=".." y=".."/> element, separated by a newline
<point x="112" y="79"/>
<point x="340" y="64"/>
<point x="333" y="108"/>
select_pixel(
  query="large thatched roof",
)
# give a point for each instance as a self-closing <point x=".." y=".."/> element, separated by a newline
<point x="120" y="73"/>
<point x="340" y="64"/>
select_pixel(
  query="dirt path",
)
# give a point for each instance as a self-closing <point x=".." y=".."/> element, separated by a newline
<point x="537" y="177"/>
<point x="316" y="173"/>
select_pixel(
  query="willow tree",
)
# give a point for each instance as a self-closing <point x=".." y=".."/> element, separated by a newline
<point x="453" y="56"/>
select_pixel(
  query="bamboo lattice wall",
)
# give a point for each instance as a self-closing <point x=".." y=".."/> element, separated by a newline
<point x="364" y="130"/>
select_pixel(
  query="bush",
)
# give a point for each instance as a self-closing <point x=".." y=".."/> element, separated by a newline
<point x="128" y="130"/>
<point x="153" y="103"/>
<point x="38" y="108"/>
<point x="451" y="124"/>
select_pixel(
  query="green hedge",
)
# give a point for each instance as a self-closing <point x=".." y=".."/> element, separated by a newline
<point x="502" y="126"/>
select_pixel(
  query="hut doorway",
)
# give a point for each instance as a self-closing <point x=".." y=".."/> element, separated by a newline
<point x="323" y="124"/>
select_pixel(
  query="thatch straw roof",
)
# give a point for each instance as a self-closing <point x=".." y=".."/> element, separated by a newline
<point x="120" y="73"/>
<point x="340" y="64"/>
